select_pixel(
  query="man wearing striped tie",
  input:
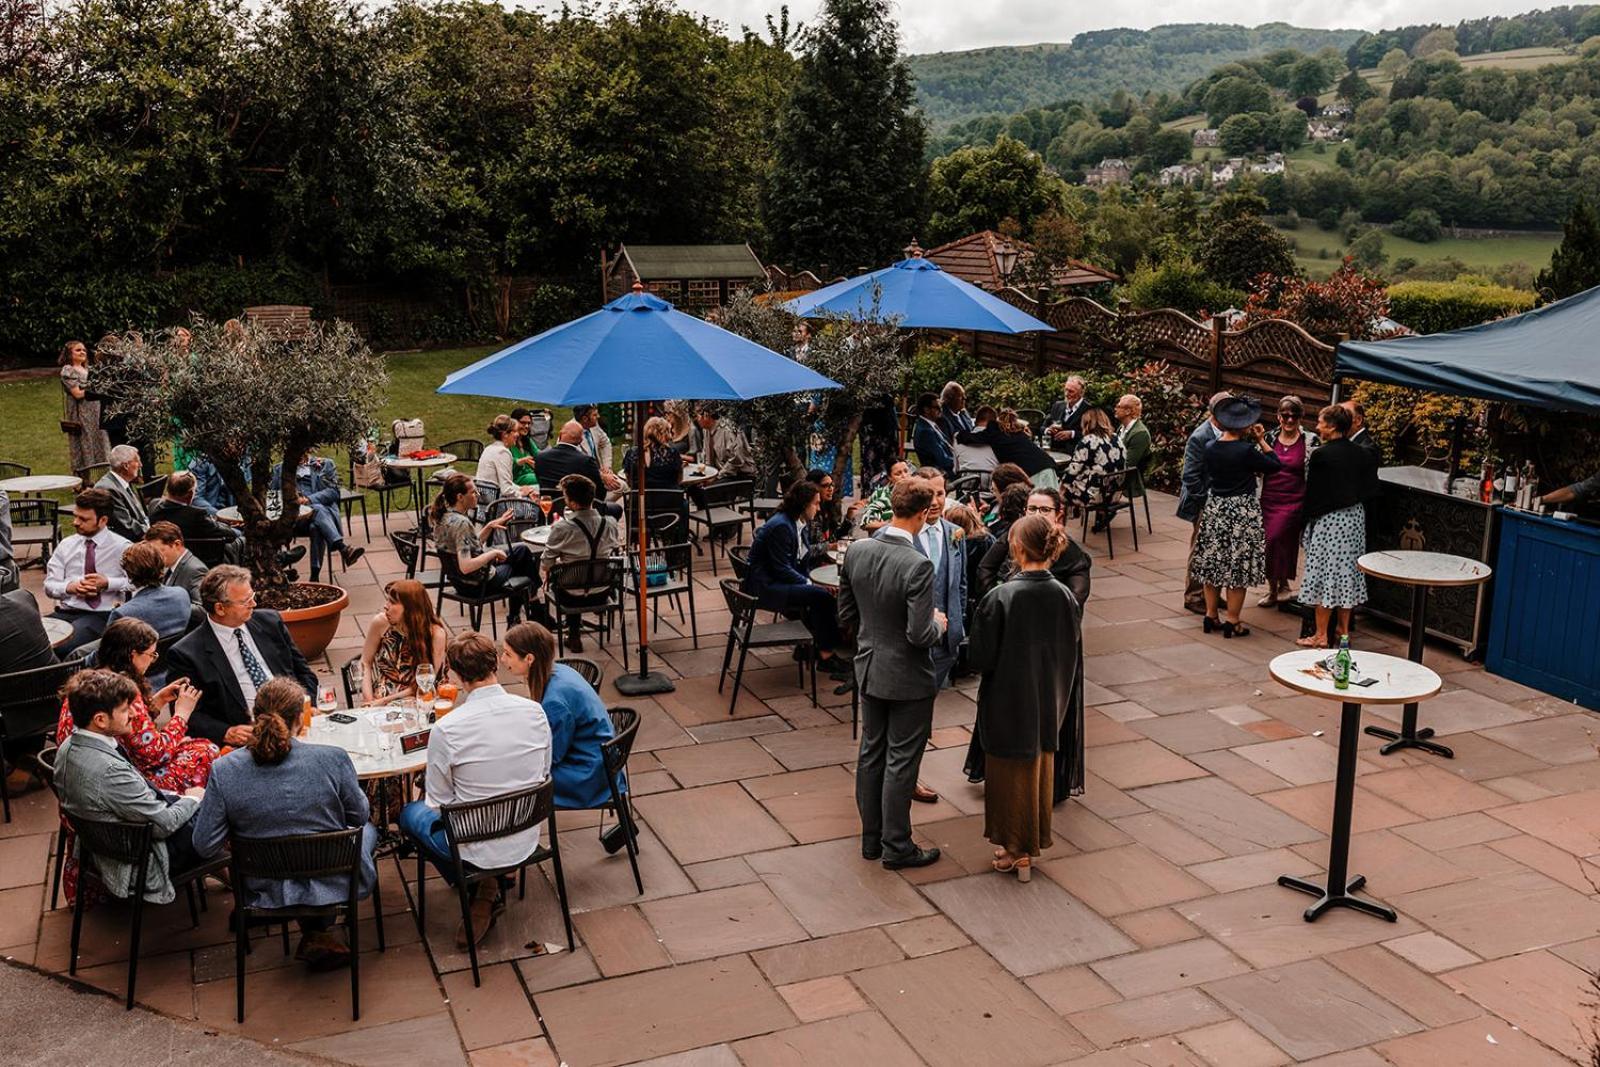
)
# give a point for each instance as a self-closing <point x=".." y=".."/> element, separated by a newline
<point x="232" y="656"/>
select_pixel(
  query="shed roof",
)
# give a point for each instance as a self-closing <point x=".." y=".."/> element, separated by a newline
<point x="667" y="262"/>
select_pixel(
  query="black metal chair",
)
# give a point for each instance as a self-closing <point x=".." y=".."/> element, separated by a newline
<point x="151" y="491"/>
<point x="210" y="550"/>
<point x="30" y="704"/>
<point x="384" y="492"/>
<point x="14" y="470"/>
<point x="739" y="556"/>
<point x="465" y="448"/>
<point x="543" y="422"/>
<point x="525" y="515"/>
<point x="721" y="509"/>
<point x="45" y="768"/>
<point x="1112" y="496"/>
<point x="34" y="522"/>
<point x="746" y="633"/>
<point x="590" y="670"/>
<point x="352" y="692"/>
<point x="476" y="821"/>
<point x="1137" y="488"/>
<point x="92" y="473"/>
<point x="131" y="843"/>
<point x="10" y="576"/>
<point x="1035" y="420"/>
<point x="965" y="486"/>
<point x="475" y="596"/>
<point x="567" y="594"/>
<point x="615" y="752"/>
<point x="348" y="499"/>
<point x="300" y="857"/>
<point x="674" y="566"/>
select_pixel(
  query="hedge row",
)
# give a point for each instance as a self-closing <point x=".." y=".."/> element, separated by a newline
<point x="1434" y="307"/>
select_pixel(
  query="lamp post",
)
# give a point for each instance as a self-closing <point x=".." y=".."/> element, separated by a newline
<point x="1005" y="259"/>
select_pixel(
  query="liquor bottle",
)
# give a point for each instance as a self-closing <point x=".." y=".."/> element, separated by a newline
<point x="1486" y="482"/>
<point x="1341" y="664"/>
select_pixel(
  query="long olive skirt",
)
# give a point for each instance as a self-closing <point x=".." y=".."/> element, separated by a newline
<point x="1017" y="802"/>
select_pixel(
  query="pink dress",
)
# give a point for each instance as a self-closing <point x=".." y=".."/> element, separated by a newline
<point x="1283" y="495"/>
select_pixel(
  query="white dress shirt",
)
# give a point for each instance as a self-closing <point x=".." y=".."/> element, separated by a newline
<point x="66" y="567"/>
<point x="493" y="743"/>
<point x="230" y="648"/>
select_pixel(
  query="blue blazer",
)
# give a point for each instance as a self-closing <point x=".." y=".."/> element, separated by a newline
<point x="1196" y="482"/>
<point x="320" y="483"/>
<point x="932" y="448"/>
<point x="774" y="566"/>
<point x="312" y="791"/>
<point x="578" y="726"/>
<point x="165" y="607"/>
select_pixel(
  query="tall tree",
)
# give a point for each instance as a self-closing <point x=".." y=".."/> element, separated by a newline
<point x="848" y="186"/>
<point x="976" y="188"/>
<point x="1575" y="264"/>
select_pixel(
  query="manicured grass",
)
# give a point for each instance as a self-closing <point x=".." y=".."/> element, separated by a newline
<point x="1511" y="59"/>
<point x="1306" y="157"/>
<point x="1480" y="253"/>
<point x="30" y="411"/>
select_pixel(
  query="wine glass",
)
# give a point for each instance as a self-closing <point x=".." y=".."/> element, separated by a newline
<point x="327" y="700"/>
<point x="426" y="681"/>
<point x="358" y="676"/>
<point x="546" y="502"/>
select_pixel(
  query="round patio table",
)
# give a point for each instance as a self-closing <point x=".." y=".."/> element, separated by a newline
<point x="418" y="469"/>
<point x="234" y="517"/>
<point x="1421" y="571"/>
<point x="371" y="762"/>
<point x="536" y="538"/>
<point x="1396" y="681"/>
<point x="826" y="576"/>
<point x="698" y="473"/>
<point x="56" y="630"/>
<point x="40" y="483"/>
<point x="1060" y="459"/>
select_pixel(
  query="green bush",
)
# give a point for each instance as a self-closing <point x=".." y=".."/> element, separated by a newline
<point x="1432" y="307"/>
<point x="1179" y="283"/>
<point x="1420" y="225"/>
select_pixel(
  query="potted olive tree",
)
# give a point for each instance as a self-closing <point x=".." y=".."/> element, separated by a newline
<point x="252" y="402"/>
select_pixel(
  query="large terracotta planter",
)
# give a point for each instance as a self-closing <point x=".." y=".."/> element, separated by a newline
<point x="312" y="629"/>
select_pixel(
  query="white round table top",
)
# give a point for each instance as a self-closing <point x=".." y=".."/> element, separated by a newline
<point x="826" y="575"/>
<point x="233" y="517"/>
<point x="413" y="463"/>
<point x="536" y="537"/>
<point x="368" y="760"/>
<point x="1424" y="568"/>
<point x="1058" y="458"/>
<point x="40" y="483"/>
<point x="694" y="473"/>
<point x="1399" y="680"/>
<point x="57" y="630"/>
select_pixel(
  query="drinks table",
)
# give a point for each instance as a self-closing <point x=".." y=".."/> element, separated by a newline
<point x="826" y="576"/>
<point x="40" y="483"/>
<point x="536" y="538"/>
<point x="698" y="474"/>
<point x="234" y="517"/>
<point x="1398" y="681"/>
<point x="56" y="630"/>
<point x="1421" y="571"/>
<point x="419" y="469"/>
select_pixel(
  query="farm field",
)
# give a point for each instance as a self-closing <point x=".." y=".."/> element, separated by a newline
<point x="1483" y="253"/>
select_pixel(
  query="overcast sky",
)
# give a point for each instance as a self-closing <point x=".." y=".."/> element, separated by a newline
<point x="954" y="25"/>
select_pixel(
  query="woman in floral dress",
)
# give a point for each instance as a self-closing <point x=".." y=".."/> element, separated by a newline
<point x="167" y="756"/>
<point x="80" y="412"/>
<point x="1097" y="455"/>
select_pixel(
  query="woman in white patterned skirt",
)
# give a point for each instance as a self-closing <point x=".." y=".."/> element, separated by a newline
<point x="1340" y="478"/>
<point x="1230" y="548"/>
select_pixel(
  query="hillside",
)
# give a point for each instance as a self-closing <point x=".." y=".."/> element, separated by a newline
<point x="954" y="86"/>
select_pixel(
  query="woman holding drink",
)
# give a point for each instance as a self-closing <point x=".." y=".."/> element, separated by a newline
<point x="406" y="634"/>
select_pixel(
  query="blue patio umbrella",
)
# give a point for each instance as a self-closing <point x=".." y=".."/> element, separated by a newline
<point x="637" y="348"/>
<point x="920" y="295"/>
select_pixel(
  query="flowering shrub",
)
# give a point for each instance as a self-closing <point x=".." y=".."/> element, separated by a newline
<point x="1350" y="302"/>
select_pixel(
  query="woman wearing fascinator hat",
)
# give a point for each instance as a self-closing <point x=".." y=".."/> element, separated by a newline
<point x="1230" y="553"/>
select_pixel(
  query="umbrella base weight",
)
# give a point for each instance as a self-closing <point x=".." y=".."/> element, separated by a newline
<point x="1332" y="898"/>
<point x="635" y="685"/>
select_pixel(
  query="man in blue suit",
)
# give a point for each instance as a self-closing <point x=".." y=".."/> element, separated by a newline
<point x="317" y="480"/>
<point x="779" y="583"/>
<point x="928" y="436"/>
<point x="940" y="542"/>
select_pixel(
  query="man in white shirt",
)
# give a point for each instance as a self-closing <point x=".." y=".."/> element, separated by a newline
<point x="84" y="575"/>
<point x="493" y="743"/>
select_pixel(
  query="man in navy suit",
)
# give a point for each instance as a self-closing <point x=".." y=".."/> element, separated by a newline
<point x="317" y="481"/>
<point x="940" y="542"/>
<point x="779" y="584"/>
<point x="928" y="436"/>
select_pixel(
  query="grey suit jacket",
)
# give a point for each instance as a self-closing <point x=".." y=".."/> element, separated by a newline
<point x="95" y="782"/>
<point x="886" y="592"/>
<point x="186" y="575"/>
<point x="128" y="516"/>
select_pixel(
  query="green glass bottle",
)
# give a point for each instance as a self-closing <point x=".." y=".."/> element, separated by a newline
<point x="1341" y="664"/>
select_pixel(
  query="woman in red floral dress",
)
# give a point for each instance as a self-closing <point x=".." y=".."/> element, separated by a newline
<point x="167" y="757"/>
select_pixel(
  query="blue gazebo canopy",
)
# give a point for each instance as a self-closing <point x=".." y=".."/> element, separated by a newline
<point x="1546" y="358"/>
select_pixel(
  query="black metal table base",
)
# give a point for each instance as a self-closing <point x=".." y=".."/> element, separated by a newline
<point x="1398" y="739"/>
<point x="1327" y="898"/>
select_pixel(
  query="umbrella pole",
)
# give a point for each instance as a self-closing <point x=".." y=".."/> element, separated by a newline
<point x="645" y="682"/>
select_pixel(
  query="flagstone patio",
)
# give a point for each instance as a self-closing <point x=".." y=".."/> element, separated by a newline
<point x="1154" y="935"/>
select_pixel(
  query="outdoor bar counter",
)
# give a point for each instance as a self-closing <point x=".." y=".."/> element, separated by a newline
<point x="1545" y="631"/>
<point x="1415" y="512"/>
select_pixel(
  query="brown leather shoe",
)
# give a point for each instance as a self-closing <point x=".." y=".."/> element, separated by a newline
<point x="22" y="781"/>
<point x="484" y="912"/>
<point x="923" y="795"/>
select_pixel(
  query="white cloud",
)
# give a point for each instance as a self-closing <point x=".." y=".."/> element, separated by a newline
<point x="954" y="25"/>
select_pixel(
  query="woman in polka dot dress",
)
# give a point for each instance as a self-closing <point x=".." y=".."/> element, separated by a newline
<point x="1340" y="478"/>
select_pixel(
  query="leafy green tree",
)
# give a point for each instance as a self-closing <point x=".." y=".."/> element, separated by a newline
<point x="1179" y="283"/>
<point x="1238" y="249"/>
<point x="1420" y="224"/>
<point x="1353" y="88"/>
<point x="1235" y="95"/>
<point x="1242" y="134"/>
<point x="1167" y="147"/>
<point x="976" y="188"/>
<point x="1439" y="40"/>
<point x="1309" y="77"/>
<point x="1366" y="251"/>
<point x="1289" y="129"/>
<point x="1575" y="264"/>
<point x="1393" y="62"/>
<point x="848" y="185"/>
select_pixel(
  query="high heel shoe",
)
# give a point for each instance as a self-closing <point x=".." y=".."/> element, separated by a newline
<point x="1210" y="623"/>
<point x="1235" y="629"/>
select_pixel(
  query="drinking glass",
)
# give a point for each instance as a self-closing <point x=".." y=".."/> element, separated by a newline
<point x="546" y="502"/>
<point x="327" y="700"/>
<point x="426" y="680"/>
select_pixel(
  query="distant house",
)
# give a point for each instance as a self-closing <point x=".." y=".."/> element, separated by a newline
<point x="1225" y="172"/>
<point x="1273" y="164"/>
<point x="1320" y="130"/>
<point x="1182" y="174"/>
<point x="1109" y="172"/>
<point x="1207" y="138"/>
<point x="694" y="277"/>
<point x="1338" y="110"/>
<point x="974" y="259"/>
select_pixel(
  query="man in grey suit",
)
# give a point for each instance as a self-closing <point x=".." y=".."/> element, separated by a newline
<point x="128" y="516"/>
<point x="886" y="593"/>
<point x="96" y="781"/>
<point x="1192" y="497"/>
<point x="184" y="570"/>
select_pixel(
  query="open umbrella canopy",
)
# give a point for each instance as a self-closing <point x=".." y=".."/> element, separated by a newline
<point x="921" y="296"/>
<point x="638" y="347"/>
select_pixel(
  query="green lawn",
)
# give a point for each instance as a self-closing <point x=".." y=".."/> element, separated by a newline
<point x="1483" y="253"/>
<point x="31" y="410"/>
<point x="1306" y="157"/>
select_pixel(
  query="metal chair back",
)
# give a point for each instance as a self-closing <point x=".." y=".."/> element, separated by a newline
<point x="30" y="701"/>
<point x="299" y="856"/>
<point x="617" y="748"/>
<point x="586" y="577"/>
<point x="503" y="816"/>
<point x="14" y="470"/>
<point x="589" y="670"/>
<point x="464" y="448"/>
